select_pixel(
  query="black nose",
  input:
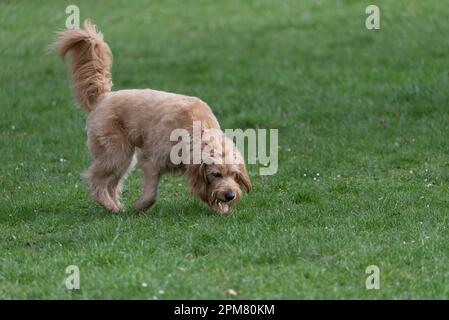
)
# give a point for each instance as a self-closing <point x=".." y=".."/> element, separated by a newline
<point x="229" y="195"/>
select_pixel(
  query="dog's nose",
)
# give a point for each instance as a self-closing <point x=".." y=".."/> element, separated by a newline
<point x="229" y="195"/>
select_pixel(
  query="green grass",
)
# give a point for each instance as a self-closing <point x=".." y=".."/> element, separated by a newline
<point x="366" y="110"/>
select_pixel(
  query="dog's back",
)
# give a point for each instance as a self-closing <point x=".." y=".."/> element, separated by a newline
<point x="144" y="112"/>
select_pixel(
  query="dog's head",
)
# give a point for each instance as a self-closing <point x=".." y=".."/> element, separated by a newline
<point x="217" y="180"/>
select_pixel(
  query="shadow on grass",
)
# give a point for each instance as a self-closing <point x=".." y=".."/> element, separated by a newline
<point x="75" y="210"/>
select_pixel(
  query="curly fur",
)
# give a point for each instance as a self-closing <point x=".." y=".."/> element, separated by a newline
<point x="91" y="63"/>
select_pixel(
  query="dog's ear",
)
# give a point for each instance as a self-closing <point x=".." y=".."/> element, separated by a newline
<point x="244" y="178"/>
<point x="198" y="180"/>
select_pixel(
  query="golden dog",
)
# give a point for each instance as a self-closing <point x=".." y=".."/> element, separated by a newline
<point x="126" y="125"/>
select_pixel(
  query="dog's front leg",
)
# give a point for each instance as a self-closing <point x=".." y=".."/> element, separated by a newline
<point x="151" y="182"/>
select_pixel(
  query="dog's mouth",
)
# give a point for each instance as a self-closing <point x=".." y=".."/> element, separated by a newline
<point x="224" y="206"/>
<point x="221" y="206"/>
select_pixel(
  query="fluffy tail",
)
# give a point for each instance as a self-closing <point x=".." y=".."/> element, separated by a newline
<point x="91" y="63"/>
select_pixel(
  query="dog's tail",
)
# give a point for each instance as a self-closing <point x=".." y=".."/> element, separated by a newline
<point x="91" y="63"/>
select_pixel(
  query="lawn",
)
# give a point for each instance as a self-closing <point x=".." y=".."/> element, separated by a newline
<point x="363" y="174"/>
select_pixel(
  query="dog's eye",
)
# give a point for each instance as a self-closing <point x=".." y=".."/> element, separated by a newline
<point x="217" y="174"/>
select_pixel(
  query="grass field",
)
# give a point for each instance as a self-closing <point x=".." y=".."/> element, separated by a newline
<point x="363" y="173"/>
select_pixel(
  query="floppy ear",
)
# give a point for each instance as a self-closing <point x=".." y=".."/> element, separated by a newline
<point x="198" y="180"/>
<point x="244" y="178"/>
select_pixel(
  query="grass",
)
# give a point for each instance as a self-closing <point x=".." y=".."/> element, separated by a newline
<point x="365" y="110"/>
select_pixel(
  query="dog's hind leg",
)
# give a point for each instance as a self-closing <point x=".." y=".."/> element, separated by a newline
<point x="119" y="176"/>
<point x="151" y="183"/>
<point x="99" y="176"/>
<point x="112" y="158"/>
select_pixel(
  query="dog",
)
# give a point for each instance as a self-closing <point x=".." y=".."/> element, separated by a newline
<point x="129" y="126"/>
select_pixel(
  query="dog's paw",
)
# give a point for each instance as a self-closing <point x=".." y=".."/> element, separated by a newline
<point x="119" y="208"/>
<point x="115" y="209"/>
